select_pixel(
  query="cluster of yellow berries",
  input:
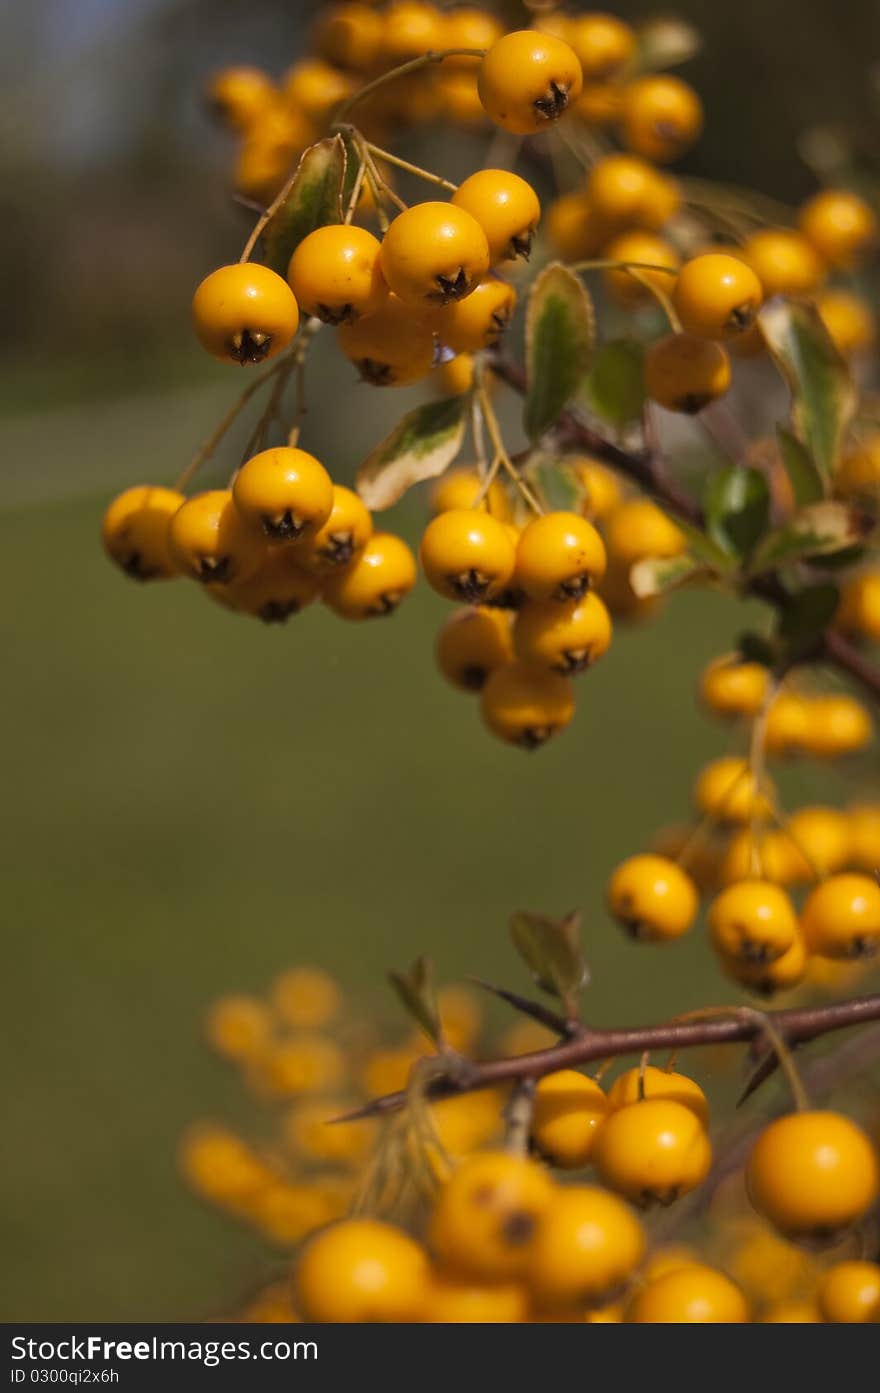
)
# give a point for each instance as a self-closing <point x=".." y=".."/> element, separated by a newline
<point x="499" y="1235"/>
<point x="747" y="854"/>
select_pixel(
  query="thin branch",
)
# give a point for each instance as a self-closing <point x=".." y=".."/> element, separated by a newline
<point x="797" y="1026"/>
<point x="535" y="1009"/>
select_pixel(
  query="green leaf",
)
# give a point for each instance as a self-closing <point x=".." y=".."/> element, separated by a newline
<point x="550" y="949"/>
<point x="421" y="446"/>
<point x="737" y="505"/>
<point x="704" y="548"/>
<point x="557" y="482"/>
<point x="822" y="390"/>
<point x="416" y="990"/>
<point x="806" y="614"/>
<point x="665" y="42"/>
<point x="804" y="477"/>
<point x="615" y="388"/>
<point x="821" y="529"/>
<point x="313" y="200"/>
<point x="656" y="575"/>
<point x="560" y="329"/>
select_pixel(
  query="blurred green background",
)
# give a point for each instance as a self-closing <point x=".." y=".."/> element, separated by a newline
<point x="194" y="802"/>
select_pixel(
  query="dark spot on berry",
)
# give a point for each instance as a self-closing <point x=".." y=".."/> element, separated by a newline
<point x="451" y="288"/>
<point x="277" y="611"/>
<point x="553" y="102"/>
<point x="692" y="402"/>
<point x="742" y="317"/>
<point x="469" y="585"/>
<point x="518" y="1228"/>
<point x="521" y="245"/>
<point x="384" y="604"/>
<point x="474" y="678"/>
<point x="249" y="346"/>
<point x="338" y="549"/>
<point x="341" y="314"/>
<point x="533" y="737"/>
<point x="136" y="568"/>
<point x="376" y="373"/>
<point x="574" y="660"/>
<point x="575" y="588"/>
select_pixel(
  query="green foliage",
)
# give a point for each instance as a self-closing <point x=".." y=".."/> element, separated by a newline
<point x="737" y="506"/>
<point x="560" y="334"/>
<point x="418" y="993"/>
<point x="420" y="447"/>
<point x="615" y="388"/>
<point x="550" y="949"/>
<point x="313" y="200"/>
<point x="823" y="395"/>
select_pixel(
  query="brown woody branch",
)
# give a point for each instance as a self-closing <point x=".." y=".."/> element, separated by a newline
<point x="796" y="1026"/>
<point x="648" y="471"/>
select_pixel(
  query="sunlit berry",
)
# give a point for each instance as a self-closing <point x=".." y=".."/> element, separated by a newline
<point x="849" y="1293"/>
<point x="564" y="636"/>
<point x="451" y="1299"/>
<point x="460" y="488"/>
<point x="786" y="730"/>
<point x="134" y="530"/>
<point x="784" y="262"/>
<point x="284" y="493"/>
<point x="717" y="296"/>
<point x="602" y="42"/>
<point x="411" y="27"/>
<point x="341" y="538"/>
<point x="210" y="541"/>
<point x="569" y="1110"/>
<point x="393" y="347"/>
<point x="507" y="209"/>
<point x="586" y="1246"/>
<point x="361" y="1270"/>
<point x="375" y="582"/>
<point x="238" y="1027"/>
<point x="350" y="35"/>
<point x="637" y="528"/>
<point x="693" y="1295"/>
<point x="727" y="790"/>
<point x="434" y="253"/>
<point x="471" y="644"/>
<point x="239" y="96"/>
<point x="684" y="373"/>
<point x="731" y="686"/>
<point x="527" y="80"/>
<point x="275" y="592"/>
<point x="601" y="486"/>
<point x="625" y="190"/>
<point x="753" y="921"/>
<point x="653" y="898"/>
<point x="653" y="1151"/>
<point x="841" y="916"/>
<point x="631" y="288"/>
<point x="848" y="319"/>
<point x="335" y="274"/>
<point x="559" y="556"/>
<point x="244" y="313"/>
<point x="479" y="320"/>
<point x="314" y="88"/>
<point x="486" y="1215"/>
<point x="840" y="225"/>
<point x="466" y="554"/>
<point x="525" y="705"/>
<point x="636" y="1084"/>
<point x="812" y="1174"/>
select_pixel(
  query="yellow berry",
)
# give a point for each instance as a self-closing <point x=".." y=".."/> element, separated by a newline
<point x="646" y="248"/>
<point x="527" y="80"/>
<point x="863" y="823"/>
<point x="684" y="373"/>
<point x="637" y="1083"/>
<point x="717" y="296"/>
<point x="341" y="538"/>
<point x="601" y="486"/>
<point x="849" y="1293"/>
<point x="820" y="836"/>
<point x="335" y="275"/>
<point x="411" y="28"/>
<point x="239" y="96"/>
<point x="784" y="262"/>
<point x="351" y="35"/>
<point x="306" y="998"/>
<point x="568" y="1113"/>
<point x="586" y="1246"/>
<point x="787" y="726"/>
<point x="836" y="725"/>
<point x="392" y="347"/>
<point x="653" y="1151"/>
<point x="238" y="1027"/>
<point x="525" y="706"/>
<point x="134" y="530"/>
<point x="841" y="916"/>
<point x="210" y="541"/>
<point x="727" y="790"/>
<point x="660" y="117"/>
<point x="731" y="686"/>
<point x="466" y="554"/>
<point x="812" y="1174"/>
<point x="859" y="611"/>
<point x="858" y="472"/>
<point x="627" y="191"/>
<point x="693" y="1295"/>
<point x="507" y="209"/>
<point x="456" y="1300"/>
<point x="278" y="589"/>
<point x="487" y="1213"/>
<point x="375" y="582"/>
<point x="361" y="1270"/>
<point x="792" y="1313"/>
<point x="244" y="313"/>
<point x="653" y="898"/>
<point x="753" y="922"/>
<point x="479" y="320"/>
<point x="471" y="644"/>
<point x="313" y="88"/>
<point x="566" y="637"/>
<point x="637" y="529"/>
<point x="434" y="253"/>
<point x="466" y="26"/>
<point x="286" y="494"/>
<point x="559" y="556"/>
<point x="848" y="319"/>
<point x="840" y="225"/>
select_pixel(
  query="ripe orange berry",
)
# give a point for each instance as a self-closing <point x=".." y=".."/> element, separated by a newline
<point x="821" y="837"/>
<point x="660" y="117"/>
<point x="848" y="319"/>
<point x="393" y="347"/>
<point x="134" y="531"/>
<point x="375" y="582"/>
<point x="768" y="851"/>
<point x="478" y="321"/>
<point x="455" y="1300"/>
<point x="586" y="1246"/>
<point x="471" y="644"/>
<point x="573" y="227"/>
<point x="653" y="898"/>
<point x="278" y="589"/>
<point x="601" y="486"/>
<point x="455" y="376"/>
<point x="361" y="1270"/>
<point x="466" y="554"/>
<point x="636" y="1084"/>
<point x="599" y="103"/>
<point x="767" y="978"/>
<point x="566" y="637"/>
<point x="849" y="1293"/>
<point x="210" y="541"/>
<point x="684" y="373"/>
<point x="859" y="611"/>
<point x="527" y="80"/>
<point x="411" y="28"/>
<point x="569" y="1111"/>
<point x="238" y="1027"/>
<point x="730" y="686"/>
<point x="812" y="1174"/>
<point x="727" y="791"/>
<point x="839" y="225"/>
<point x="486" y="1215"/>
<point x="836" y="725"/>
<point x="525" y="706"/>
<point x="625" y="190"/>
<point x="306" y="998"/>
<point x="784" y="262"/>
<point x="841" y="916"/>
<point x="858" y="472"/>
<point x="314" y="89"/>
<point x="468" y="27"/>
<point x="335" y="274"/>
<point x="693" y="1295"/>
<point x="239" y="96"/>
<point x="284" y="493"/>
<point x="753" y="921"/>
<point x="559" y="556"/>
<point x="653" y="1151"/>
<point x="434" y="253"/>
<point x="717" y="296"/>
<point x="244" y="313"/>
<point x="788" y="723"/>
<point x="637" y="529"/>
<point x="350" y="35"/>
<point x="341" y="538"/>
<point x="460" y="488"/>
<point x="602" y="43"/>
<point x="631" y="288"/>
<point x="864" y="837"/>
<point x="507" y="209"/>
<point x="792" y="1313"/>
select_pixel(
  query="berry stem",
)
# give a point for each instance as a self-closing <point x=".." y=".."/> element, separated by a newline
<point x="414" y="65"/>
<point x="386" y="157"/>
<point x="205" y="451"/>
<point x="494" y="431"/>
<point x="518" y="1117"/>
